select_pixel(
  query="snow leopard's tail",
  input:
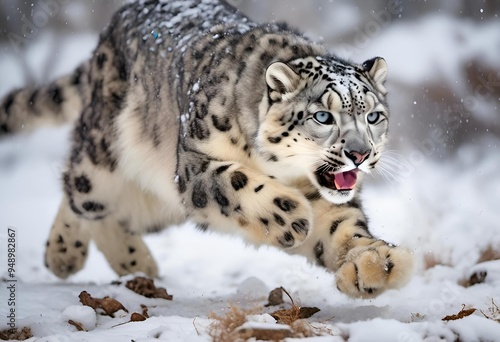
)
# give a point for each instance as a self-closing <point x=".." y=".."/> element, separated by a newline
<point x="56" y="103"/>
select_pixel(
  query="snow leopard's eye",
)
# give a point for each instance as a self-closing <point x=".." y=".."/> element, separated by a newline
<point x="373" y="117"/>
<point x="325" y="118"/>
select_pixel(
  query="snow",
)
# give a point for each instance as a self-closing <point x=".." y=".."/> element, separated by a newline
<point x="446" y="208"/>
<point x="387" y="330"/>
<point x="81" y="314"/>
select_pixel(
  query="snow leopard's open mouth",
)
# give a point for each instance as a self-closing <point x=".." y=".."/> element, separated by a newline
<point x="342" y="181"/>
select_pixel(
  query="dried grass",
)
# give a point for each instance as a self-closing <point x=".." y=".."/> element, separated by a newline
<point x="225" y="328"/>
<point x="493" y="312"/>
<point x="488" y="254"/>
<point x="228" y="328"/>
<point x="431" y="260"/>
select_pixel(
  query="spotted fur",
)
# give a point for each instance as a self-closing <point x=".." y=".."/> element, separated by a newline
<point x="187" y="110"/>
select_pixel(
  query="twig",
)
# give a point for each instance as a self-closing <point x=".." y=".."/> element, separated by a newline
<point x="195" y="328"/>
<point x="291" y="299"/>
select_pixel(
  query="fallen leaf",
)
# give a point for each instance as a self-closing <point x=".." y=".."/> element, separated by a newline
<point x="463" y="313"/>
<point x="306" y="312"/>
<point x="107" y="304"/>
<point x="77" y="325"/>
<point x="134" y="317"/>
<point x="16" y="334"/>
<point x="275" y="297"/>
<point x="146" y="287"/>
<point x="288" y="316"/>
<point x="137" y="317"/>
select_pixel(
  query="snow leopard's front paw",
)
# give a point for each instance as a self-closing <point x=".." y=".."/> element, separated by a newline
<point x="370" y="270"/>
<point x="288" y="221"/>
<point x="274" y="214"/>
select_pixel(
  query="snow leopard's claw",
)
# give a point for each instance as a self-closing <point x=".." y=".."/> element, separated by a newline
<point x="369" y="271"/>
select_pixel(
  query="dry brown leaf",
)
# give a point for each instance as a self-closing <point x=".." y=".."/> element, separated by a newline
<point x="288" y="316"/>
<point x="77" y="325"/>
<point x="463" y="313"/>
<point x="107" y="304"/>
<point x="134" y="317"/>
<point x="146" y="287"/>
<point x="275" y="297"/>
<point x="137" y="317"/>
<point x="306" y="312"/>
<point x="16" y="334"/>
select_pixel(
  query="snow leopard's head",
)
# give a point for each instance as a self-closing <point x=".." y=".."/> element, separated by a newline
<point x="326" y="119"/>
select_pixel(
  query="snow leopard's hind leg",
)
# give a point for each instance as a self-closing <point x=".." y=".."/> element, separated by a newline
<point x="100" y="203"/>
<point x="110" y="210"/>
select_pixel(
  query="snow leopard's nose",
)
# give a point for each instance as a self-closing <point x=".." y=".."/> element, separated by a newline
<point x="357" y="157"/>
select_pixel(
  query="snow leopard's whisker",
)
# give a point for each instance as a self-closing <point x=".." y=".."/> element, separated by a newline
<point x="386" y="175"/>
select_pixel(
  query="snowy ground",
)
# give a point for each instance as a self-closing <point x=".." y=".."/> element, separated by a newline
<point x="445" y="211"/>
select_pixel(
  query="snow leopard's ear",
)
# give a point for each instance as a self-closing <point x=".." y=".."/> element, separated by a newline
<point x="377" y="70"/>
<point x="281" y="79"/>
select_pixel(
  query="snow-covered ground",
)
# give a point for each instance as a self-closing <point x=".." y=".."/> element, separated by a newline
<point x="444" y="210"/>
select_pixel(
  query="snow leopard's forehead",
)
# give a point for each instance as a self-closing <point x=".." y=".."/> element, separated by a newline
<point x="328" y="74"/>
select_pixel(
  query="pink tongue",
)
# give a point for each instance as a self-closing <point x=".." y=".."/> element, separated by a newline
<point x="345" y="180"/>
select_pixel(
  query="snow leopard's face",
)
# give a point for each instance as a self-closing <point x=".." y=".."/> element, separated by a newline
<point x="325" y="119"/>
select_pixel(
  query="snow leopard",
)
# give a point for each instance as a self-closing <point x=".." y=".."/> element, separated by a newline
<point x="189" y="111"/>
